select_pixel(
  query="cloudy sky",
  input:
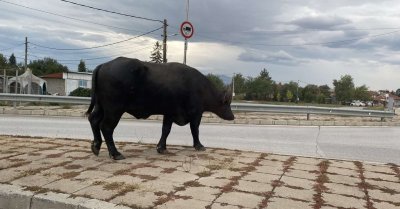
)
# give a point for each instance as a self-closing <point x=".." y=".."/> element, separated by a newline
<point x="311" y="41"/>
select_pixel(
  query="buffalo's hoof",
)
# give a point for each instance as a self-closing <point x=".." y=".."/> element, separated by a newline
<point x="117" y="156"/>
<point x="200" y="148"/>
<point x="95" y="150"/>
<point x="162" y="150"/>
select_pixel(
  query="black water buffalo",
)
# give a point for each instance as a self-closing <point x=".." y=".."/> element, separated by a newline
<point x="177" y="91"/>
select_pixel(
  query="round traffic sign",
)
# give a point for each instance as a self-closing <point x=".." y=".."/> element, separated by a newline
<point x="187" y="29"/>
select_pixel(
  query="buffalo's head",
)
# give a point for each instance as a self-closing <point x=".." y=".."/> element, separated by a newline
<point x="224" y="108"/>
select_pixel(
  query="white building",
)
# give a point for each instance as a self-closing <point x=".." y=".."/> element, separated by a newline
<point x="64" y="83"/>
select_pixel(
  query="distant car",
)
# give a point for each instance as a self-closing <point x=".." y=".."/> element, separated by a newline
<point x="357" y="104"/>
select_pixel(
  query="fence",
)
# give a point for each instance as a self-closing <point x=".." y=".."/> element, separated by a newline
<point x="240" y="107"/>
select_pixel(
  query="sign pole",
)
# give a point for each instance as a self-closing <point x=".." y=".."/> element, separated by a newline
<point x="185" y="50"/>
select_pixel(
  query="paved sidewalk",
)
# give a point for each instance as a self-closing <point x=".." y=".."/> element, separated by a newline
<point x="60" y="173"/>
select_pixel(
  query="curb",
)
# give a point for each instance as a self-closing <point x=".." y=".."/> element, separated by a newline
<point x="12" y="196"/>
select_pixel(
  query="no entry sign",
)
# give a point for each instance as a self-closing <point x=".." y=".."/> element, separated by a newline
<point x="187" y="29"/>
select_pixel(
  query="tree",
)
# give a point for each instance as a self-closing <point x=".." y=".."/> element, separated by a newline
<point x="310" y="93"/>
<point x="82" y="66"/>
<point x="239" y="80"/>
<point x="361" y="93"/>
<point x="218" y="83"/>
<point x="344" y="88"/>
<point x="398" y="92"/>
<point x="3" y="61"/>
<point x="260" y="88"/>
<point x="46" y="66"/>
<point x="289" y="95"/>
<point x="156" y="54"/>
<point x="12" y="61"/>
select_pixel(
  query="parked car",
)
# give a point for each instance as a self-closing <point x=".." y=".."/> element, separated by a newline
<point x="357" y="103"/>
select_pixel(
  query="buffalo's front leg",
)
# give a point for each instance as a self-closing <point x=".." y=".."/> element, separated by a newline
<point x="107" y="127"/>
<point x="194" y="127"/>
<point x="166" y="129"/>
<point x="95" y="118"/>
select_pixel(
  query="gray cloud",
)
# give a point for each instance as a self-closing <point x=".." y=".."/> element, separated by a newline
<point x="320" y="22"/>
<point x="259" y="32"/>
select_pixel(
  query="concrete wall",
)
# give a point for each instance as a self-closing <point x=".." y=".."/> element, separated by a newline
<point x="75" y="80"/>
<point x="55" y="85"/>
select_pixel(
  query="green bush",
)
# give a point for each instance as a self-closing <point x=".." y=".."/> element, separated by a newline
<point x="80" y="92"/>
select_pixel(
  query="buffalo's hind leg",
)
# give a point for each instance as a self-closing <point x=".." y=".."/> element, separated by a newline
<point x="194" y="127"/>
<point x="107" y="126"/>
<point x="166" y="129"/>
<point x="95" y="118"/>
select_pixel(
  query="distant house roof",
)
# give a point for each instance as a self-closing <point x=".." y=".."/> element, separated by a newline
<point x="53" y="75"/>
<point x="65" y="75"/>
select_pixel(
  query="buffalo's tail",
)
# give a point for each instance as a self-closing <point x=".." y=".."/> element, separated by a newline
<point x="93" y="92"/>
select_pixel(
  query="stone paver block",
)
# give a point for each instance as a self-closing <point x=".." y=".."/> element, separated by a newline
<point x="279" y="203"/>
<point x="112" y="167"/>
<point x="91" y="176"/>
<point x="343" y="171"/>
<point x="342" y="164"/>
<point x="305" y="167"/>
<point x="297" y="182"/>
<point x="147" y="171"/>
<point x="140" y="199"/>
<point x="261" y="177"/>
<point x="124" y="179"/>
<point x="35" y="180"/>
<point x="178" y="177"/>
<point x="236" y="198"/>
<point x="249" y="186"/>
<point x="301" y="174"/>
<point x="67" y="185"/>
<point x="378" y="168"/>
<point x="77" y="154"/>
<point x="384" y="205"/>
<point x="344" y="190"/>
<point x="277" y="170"/>
<point x="385" y="185"/>
<point x="159" y="186"/>
<point x="287" y="192"/>
<point x="385" y="177"/>
<point x="213" y="182"/>
<point x="224" y="173"/>
<point x="200" y="193"/>
<point x="9" y="174"/>
<point x="339" y="179"/>
<point x="97" y="192"/>
<point x="224" y="206"/>
<point x="184" y="204"/>
<point x="379" y="195"/>
<point x="343" y="201"/>
<point x="167" y="164"/>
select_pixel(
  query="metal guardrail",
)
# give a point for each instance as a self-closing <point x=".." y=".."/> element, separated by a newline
<point x="310" y="110"/>
<point x="241" y="107"/>
<point x="44" y="98"/>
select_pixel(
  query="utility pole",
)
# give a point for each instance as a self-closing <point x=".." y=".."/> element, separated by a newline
<point x="297" y="93"/>
<point x="165" y="42"/>
<point x="26" y="67"/>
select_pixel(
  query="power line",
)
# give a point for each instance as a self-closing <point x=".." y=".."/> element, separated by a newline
<point x="72" y="18"/>
<point x="6" y="49"/>
<point x="94" y="47"/>
<point x="94" y="58"/>
<point x="118" y="13"/>
<point x="304" y="44"/>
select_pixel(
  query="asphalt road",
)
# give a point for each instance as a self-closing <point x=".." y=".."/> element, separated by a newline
<point x="375" y="144"/>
